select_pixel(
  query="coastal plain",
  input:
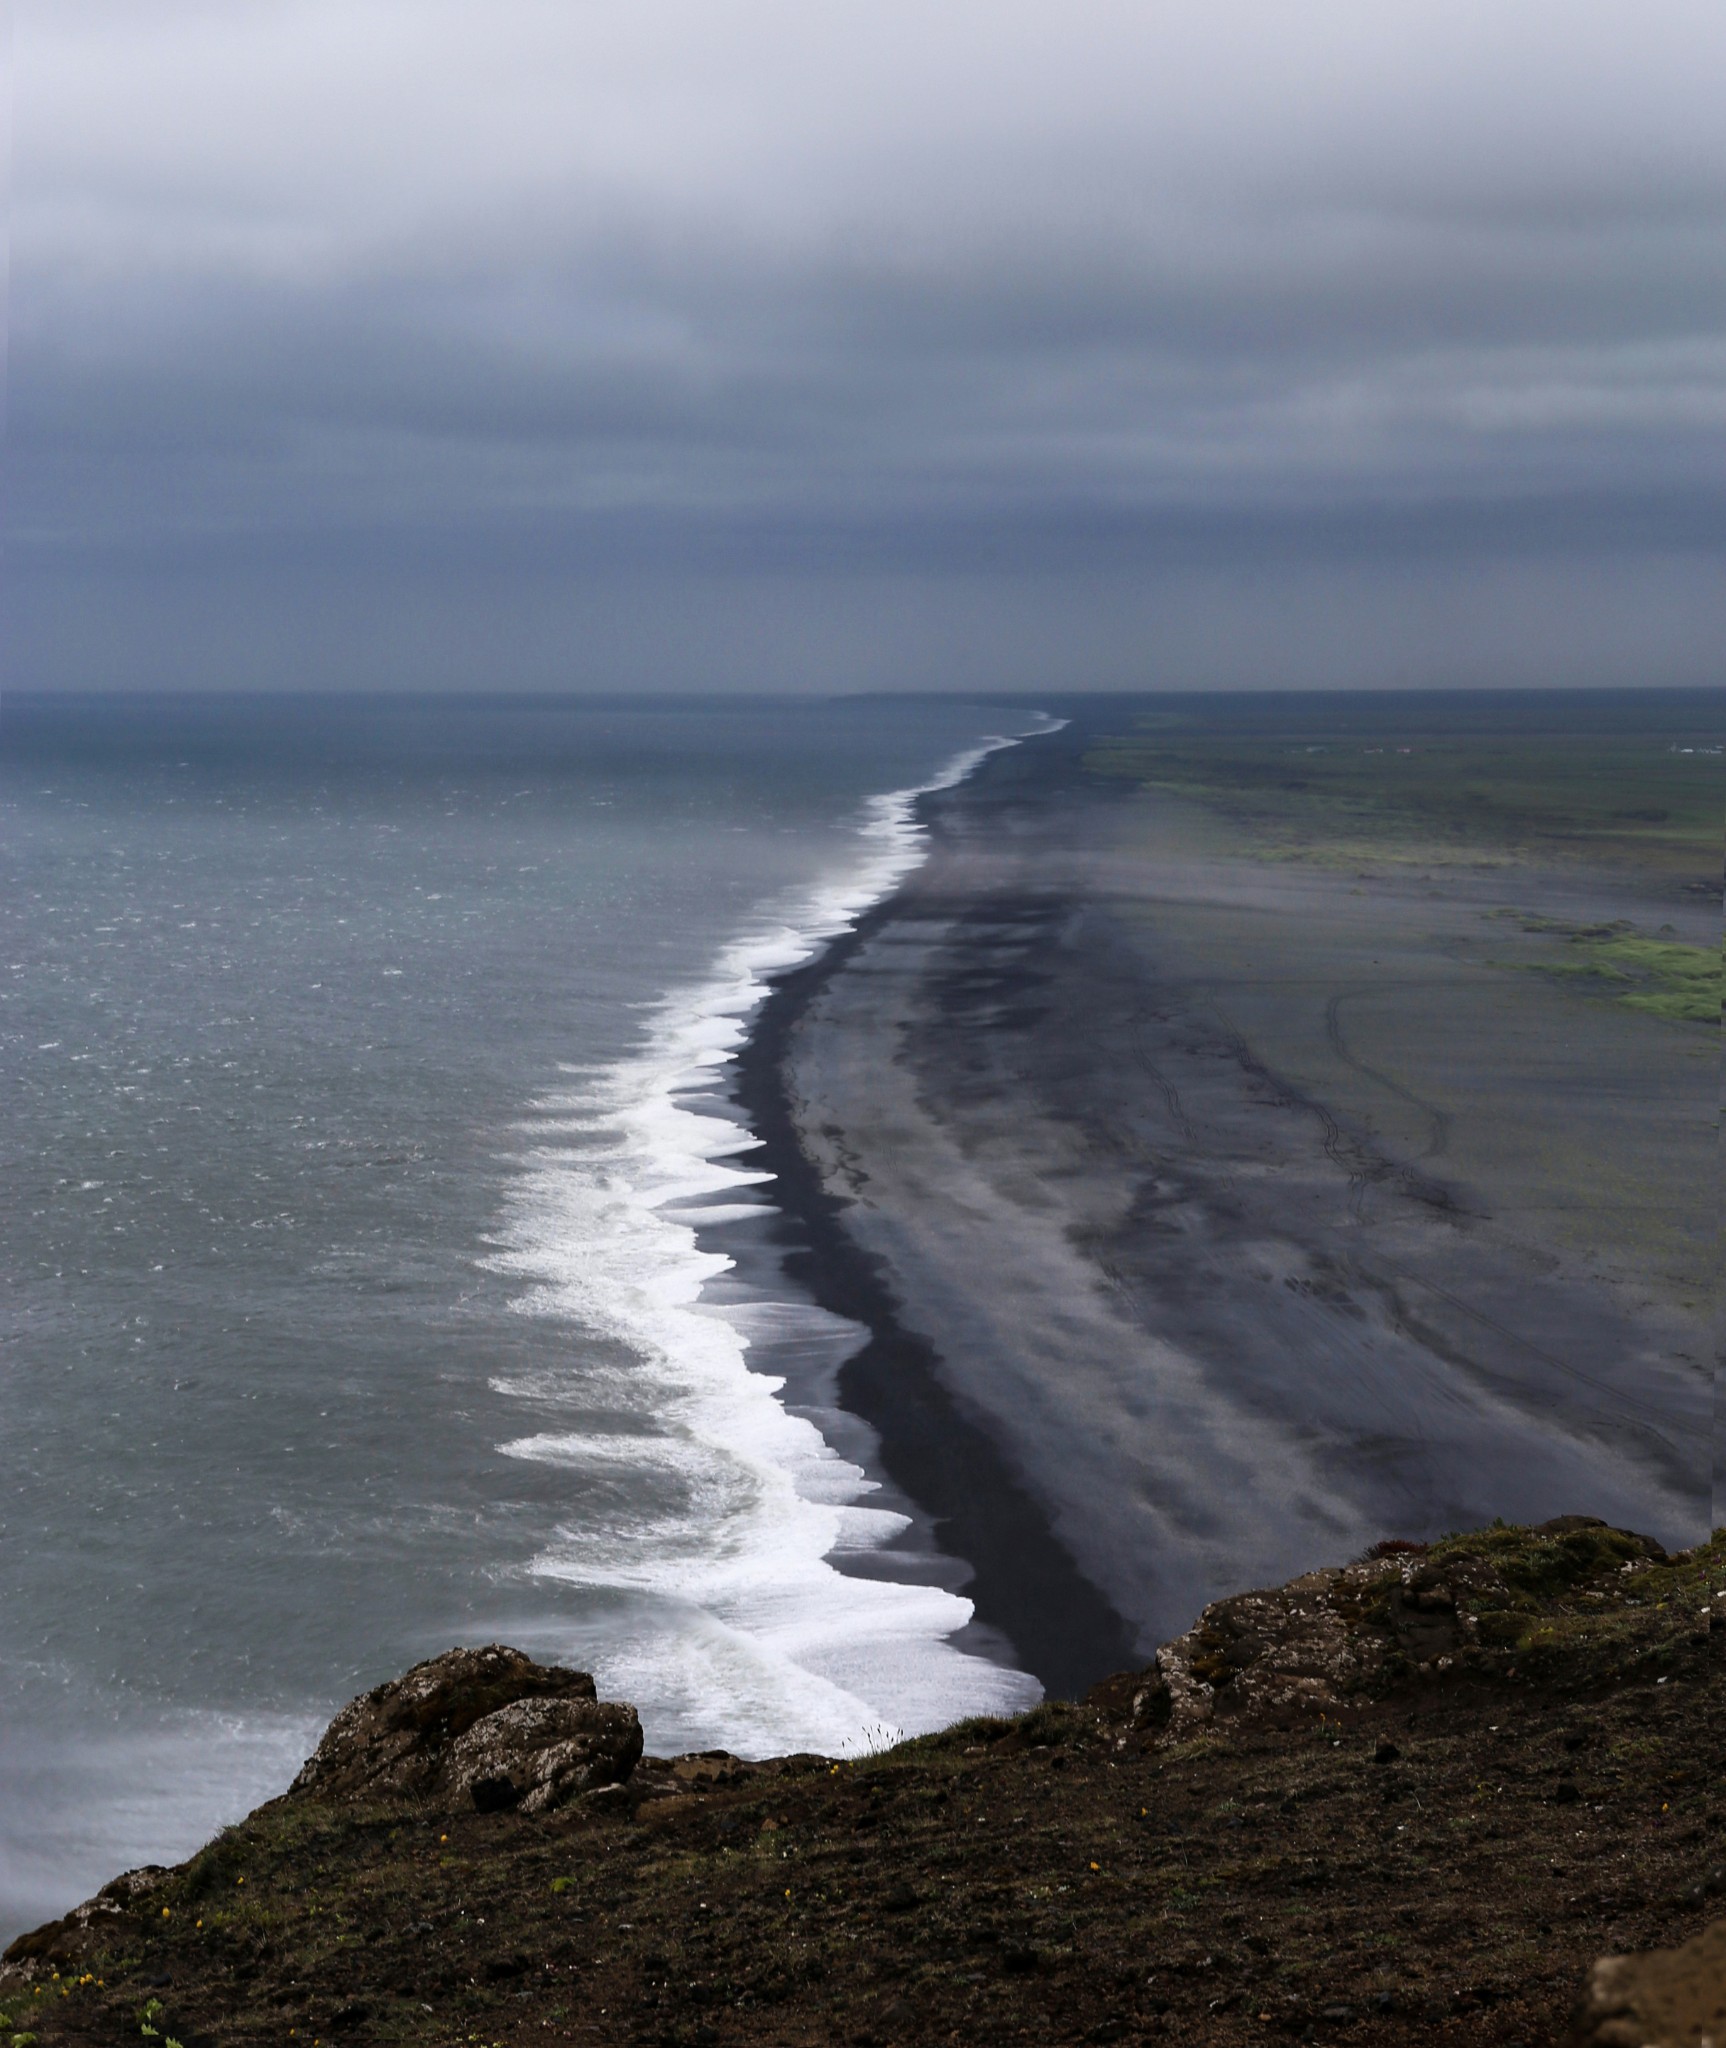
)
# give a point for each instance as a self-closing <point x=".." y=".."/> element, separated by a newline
<point x="1279" y="1138"/>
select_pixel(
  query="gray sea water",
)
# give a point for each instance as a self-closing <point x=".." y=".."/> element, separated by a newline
<point x="365" y="1078"/>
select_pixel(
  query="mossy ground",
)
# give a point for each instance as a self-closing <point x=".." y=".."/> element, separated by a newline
<point x="1648" y="805"/>
<point x="1436" y="1862"/>
<point x="1617" y="963"/>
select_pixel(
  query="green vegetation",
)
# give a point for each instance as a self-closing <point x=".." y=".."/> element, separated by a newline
<point x="1614" y="961"/>
<point x="1538" y="1566"/>
<point x="1582" y="1606"/>
<point x="1649" y="804"/>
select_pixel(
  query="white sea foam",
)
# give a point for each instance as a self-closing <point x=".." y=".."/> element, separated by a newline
<point x="702" y="1509"/>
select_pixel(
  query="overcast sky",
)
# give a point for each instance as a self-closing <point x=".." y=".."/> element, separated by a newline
<point x="861" y="343"/>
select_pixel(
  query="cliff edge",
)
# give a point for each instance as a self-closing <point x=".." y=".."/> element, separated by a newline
<point x="1410" y="1798"/>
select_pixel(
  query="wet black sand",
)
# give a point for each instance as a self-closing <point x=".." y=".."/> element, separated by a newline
<point x="1209" y="1218"/>
<point x="1023" y="1579"/>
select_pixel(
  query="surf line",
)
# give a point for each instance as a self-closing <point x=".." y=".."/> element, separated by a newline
<point x="1024" y="1583"/>
<point x="740" y="1607"/>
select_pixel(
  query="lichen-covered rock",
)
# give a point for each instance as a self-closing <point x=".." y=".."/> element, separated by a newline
<point x="1494" y="1603"/>
<point x="539" y="1753"/>
<point x="1666" y="1998"/>
<point x="487" y="1725"/>
<point x="1295" y="1649"/>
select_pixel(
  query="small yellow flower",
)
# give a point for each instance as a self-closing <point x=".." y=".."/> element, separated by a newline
<point x="165" y="1912"/>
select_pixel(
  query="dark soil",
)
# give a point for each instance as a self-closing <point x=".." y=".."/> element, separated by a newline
<point x="1436" y="1859"/>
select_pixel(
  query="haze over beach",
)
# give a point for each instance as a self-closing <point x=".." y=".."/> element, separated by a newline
<point x="841" y="848"/>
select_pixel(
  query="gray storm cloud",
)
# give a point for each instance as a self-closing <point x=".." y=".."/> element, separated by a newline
<point x="544" y="345"/>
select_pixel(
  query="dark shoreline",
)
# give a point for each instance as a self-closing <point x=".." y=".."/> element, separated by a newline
<point x="1166" y="1281"/>
<point x="1024" y="1582"/>
<point x="1164" y="1287"/>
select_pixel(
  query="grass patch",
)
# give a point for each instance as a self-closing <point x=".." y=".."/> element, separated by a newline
<point x="1660" y="976"/>
<point x="1639" y="802"/>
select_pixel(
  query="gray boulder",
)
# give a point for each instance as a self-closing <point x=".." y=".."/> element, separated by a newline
<point x="487" y="1726"/>
<point x="539" y="1753"/>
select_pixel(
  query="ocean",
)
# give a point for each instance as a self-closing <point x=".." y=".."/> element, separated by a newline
<point x="384" y="1262"/>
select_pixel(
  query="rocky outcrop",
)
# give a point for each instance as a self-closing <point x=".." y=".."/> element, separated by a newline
<point x="1666" y="1998"/>
<point x="488" y="1727"/>
<point x="1491" y="1603"/>
<point x="1516" y="1772"/>
<point x="541" y="1753"/>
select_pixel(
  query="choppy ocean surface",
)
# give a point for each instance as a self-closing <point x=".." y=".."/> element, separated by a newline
<point x="377" y="1265"/>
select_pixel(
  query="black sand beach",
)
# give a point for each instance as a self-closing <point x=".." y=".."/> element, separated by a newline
<point x="1214" y="1206"/>
<point x="1214" y="1212"/>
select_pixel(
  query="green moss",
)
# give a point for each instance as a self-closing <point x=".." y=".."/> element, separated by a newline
<point x="1693" y="1007"/>
<point x="1660" y="976"/>
<point x="1541" y="1567"/>
<point x="980" y="1728"/>
<point x="1053" y="1721"/>
<point x="1581" y="1606"/>
<point x="1636" y="802"/>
